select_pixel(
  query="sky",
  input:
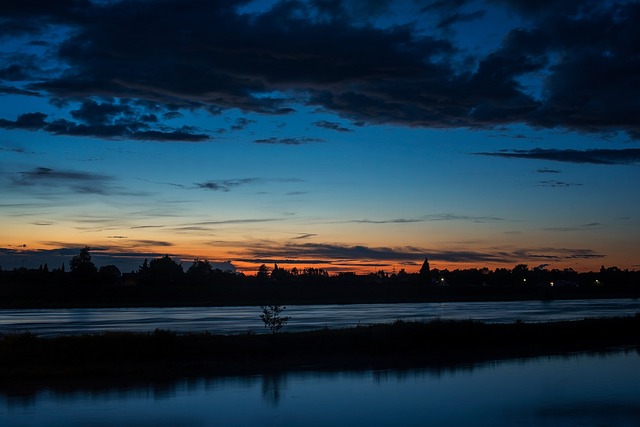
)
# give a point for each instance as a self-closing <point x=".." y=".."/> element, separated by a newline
<point x="348" y="135"/>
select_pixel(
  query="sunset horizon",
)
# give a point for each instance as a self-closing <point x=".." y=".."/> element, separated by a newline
<point x="349" y="136"/>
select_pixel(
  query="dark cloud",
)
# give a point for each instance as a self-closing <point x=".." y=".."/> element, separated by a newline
<point x="27" y="121"/>
<point x="13" y="72"/>
<point x="214" y="56"/>
<point x="443" y="5"/>
<point x="456" y="17"/>
<point x="97" y="118"/>
<point x="341" y="254"/>
<point x="172" y="115"/>
<point x="331" y="125"/>
<point x="226" y="184"/>
<point x="241" y="123"/>
<point x="288" y="141"/>
<point x="627" y="156"/>
<point x="333" y="252"/>
<point x="95" y="113"/>
<point x="543" y="8"/>
<point x="10" y="90"/>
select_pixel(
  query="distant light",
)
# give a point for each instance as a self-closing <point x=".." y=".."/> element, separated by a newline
<point x="551" y="283"/>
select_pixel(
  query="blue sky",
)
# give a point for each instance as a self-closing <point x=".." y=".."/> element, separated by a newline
<point x="350" y="135"/>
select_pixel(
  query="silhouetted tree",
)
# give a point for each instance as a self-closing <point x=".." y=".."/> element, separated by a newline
<point x="425" y="272"/>
<point x="82" y="268"/>
<point x="263" y="274"/>
<point x="280" y="275"/>
<point x="520" y="274"/>
<point x="109" y="274"/>
<point x="315" y="274"/>
<point x="199" y="272"/>
<point x="162" y="270"/>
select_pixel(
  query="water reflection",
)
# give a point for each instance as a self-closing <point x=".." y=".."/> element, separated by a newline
<point x="587" y="389"/>
<point x="273" y="385"/>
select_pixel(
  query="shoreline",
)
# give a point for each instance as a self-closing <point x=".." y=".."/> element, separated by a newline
<point x="164" y="354"/>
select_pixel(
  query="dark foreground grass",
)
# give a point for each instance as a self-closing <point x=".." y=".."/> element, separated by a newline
<point x="164" y="354"/>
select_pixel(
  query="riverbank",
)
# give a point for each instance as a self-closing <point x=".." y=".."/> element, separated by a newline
<point x="399" y="345"/>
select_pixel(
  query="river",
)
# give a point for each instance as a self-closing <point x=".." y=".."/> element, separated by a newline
<point x="227" y="320"/>
<point x="585" y="389"/>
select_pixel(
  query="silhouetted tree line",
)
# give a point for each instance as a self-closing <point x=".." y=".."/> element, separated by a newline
<point x="165" y="271"/>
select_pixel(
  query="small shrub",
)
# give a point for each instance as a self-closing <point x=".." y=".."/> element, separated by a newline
<point x="272" y="317"/>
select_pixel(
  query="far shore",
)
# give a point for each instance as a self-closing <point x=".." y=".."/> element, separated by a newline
<point x="167" y="354"/>
<point x="82" y="296"/>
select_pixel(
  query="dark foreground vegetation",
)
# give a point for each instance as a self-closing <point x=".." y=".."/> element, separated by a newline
<point x="164" y="282"/>
<point x="165" y="354"/>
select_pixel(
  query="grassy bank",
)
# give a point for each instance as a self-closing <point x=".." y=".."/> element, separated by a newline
<point x="402" y="344"/>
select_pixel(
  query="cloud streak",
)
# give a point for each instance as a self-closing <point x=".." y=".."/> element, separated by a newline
<point x="429" y="218"/>
<point x="341" y="254"/>
<point x="627" y="156"/>
<point x="226" y="185"/>
<point x="73" y="181"/>
<point x="288" y="141"/>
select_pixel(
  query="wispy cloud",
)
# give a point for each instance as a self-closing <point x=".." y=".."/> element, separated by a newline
<point x="239" y="221"/>
<point x="547" y="170"/>
<point x="579" y="228"/>
<point x="288" y="141"/>
<point x="226" y="185"/>
<point x="386" y="221"/>
<point x="557" y="184"/>
<point x="304" y="236"/>
<point x="241" y="123"/>
<point x="80" y="182"/>
<point x="332" y="126"/>
<point x="627" y="156"/>
<point x="50" y="184"/>
<point x="429" y="218"/>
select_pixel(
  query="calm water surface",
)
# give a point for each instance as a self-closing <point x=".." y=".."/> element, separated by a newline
<point x="574" y="390"/>
<point x="243" y="319"/>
